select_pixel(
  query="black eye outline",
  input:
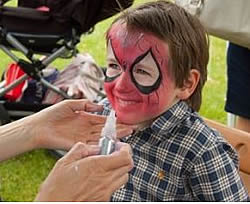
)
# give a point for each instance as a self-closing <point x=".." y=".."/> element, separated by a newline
<point x="146" y="89"/>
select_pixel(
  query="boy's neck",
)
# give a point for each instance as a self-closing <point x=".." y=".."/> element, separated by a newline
<point x="145" y="124"/>
<point x="148" y="123"/>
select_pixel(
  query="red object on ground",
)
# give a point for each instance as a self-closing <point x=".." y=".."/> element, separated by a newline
<point x="13" y="72"/>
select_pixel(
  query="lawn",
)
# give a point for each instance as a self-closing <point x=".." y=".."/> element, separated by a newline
<point x="20" y="177"/>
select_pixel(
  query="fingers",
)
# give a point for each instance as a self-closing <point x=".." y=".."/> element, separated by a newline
<point x="79" y="151"/>
<point x="76" y="105"/>
<point x="98" y="124"/>
<point x="93" y="134"/>
<point x="120" y="146"/>
<point x="117" y="159"/>
<point x="117" y="173"/>
<point x="92" y="107"/>
<point x="119" y="177"/>
<point x="125" y="130"/>
<point x="94" y="119"/>
<point x="123" y="147"/>
<point x="121" y="180"/>
<point x="121" y="126"/>
<point x="83" y="105"/>
<point x="93" y="149"/>
<point x="93" y="142"/>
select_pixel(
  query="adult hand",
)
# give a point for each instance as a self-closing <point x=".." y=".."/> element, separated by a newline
<point x="78" y="176"/>
<point x="63" y="124"/>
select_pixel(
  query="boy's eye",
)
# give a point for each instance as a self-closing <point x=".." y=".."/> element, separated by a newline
<point x="113" y="66"/>
<point x="145" y="76"/>
<point x="141" y="71"/>
<point x="113" y="70"/>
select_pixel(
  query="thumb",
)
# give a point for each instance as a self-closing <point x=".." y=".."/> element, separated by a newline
<point x="93" y="107"/>
<point x="76" y="105"/>
<point x="79" y="151"/>
<point x="83" y="105"/>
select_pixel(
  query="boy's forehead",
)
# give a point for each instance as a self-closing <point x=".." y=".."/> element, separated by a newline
<point x="134" y="41"/>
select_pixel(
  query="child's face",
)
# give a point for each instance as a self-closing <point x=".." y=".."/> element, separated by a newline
<point x="138" y="84"/>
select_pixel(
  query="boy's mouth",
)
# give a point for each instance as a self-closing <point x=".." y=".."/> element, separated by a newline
<point x="126" y="102"/>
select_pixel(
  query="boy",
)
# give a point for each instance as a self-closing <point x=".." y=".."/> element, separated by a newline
<point x="157" y="56"/>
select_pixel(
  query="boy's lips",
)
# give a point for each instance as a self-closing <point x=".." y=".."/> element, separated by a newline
<point x="125" y="102"/>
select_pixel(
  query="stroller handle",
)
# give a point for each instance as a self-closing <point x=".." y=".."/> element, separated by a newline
<point x="13" y="85"/>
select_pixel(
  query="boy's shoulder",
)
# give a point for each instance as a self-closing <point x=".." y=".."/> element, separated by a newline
<point x="185" y="130"/>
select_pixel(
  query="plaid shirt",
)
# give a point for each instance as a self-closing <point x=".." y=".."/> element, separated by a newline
<point x="179" y="158"/>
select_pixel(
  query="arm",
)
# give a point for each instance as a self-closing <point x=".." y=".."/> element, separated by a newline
<point x="57" y="127"/>
<point x="16" y="138"/>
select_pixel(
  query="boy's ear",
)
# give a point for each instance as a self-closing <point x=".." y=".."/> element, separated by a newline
<point x="189" y="85"/>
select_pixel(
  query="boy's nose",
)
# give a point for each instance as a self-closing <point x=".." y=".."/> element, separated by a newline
<point x="123" y="82"/>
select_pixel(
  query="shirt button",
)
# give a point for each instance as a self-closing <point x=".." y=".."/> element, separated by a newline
<point x="161" y="174"/>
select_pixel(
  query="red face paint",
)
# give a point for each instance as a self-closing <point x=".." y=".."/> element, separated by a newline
<point x="126" y="58"/>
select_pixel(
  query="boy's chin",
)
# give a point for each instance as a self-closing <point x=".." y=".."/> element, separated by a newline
<point x="131" y="119"/>
<point x="127" y="121"/>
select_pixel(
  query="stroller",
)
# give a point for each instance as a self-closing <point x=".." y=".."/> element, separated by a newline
<point x="49" y="27"/>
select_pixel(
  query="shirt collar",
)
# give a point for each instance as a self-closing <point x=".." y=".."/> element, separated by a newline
<point x="166" y="122"/>
<point x="169" y="118"/>
<point x="161" y="127"/>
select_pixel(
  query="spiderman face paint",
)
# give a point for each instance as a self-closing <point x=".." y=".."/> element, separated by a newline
<point x="138" y="83"/>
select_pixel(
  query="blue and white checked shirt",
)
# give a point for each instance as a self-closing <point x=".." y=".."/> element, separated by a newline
<point x="179" y="158"/>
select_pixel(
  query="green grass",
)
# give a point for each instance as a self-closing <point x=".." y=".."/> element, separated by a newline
<point x="20" y="177"/>
<point x="215" y="89"/>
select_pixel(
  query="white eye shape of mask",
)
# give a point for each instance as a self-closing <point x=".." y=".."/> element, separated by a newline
<point x="113" y="66"/>
<point x="146" y="72"/>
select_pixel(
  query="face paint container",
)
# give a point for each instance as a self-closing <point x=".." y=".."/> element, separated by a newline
<point x="107" y="141"/>
<point x="107" y="146"/>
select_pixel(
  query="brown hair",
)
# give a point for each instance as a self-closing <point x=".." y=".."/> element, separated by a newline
<point x="184" y="34"/>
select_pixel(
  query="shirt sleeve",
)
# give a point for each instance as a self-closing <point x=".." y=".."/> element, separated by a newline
<point x="215" y="176"/>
